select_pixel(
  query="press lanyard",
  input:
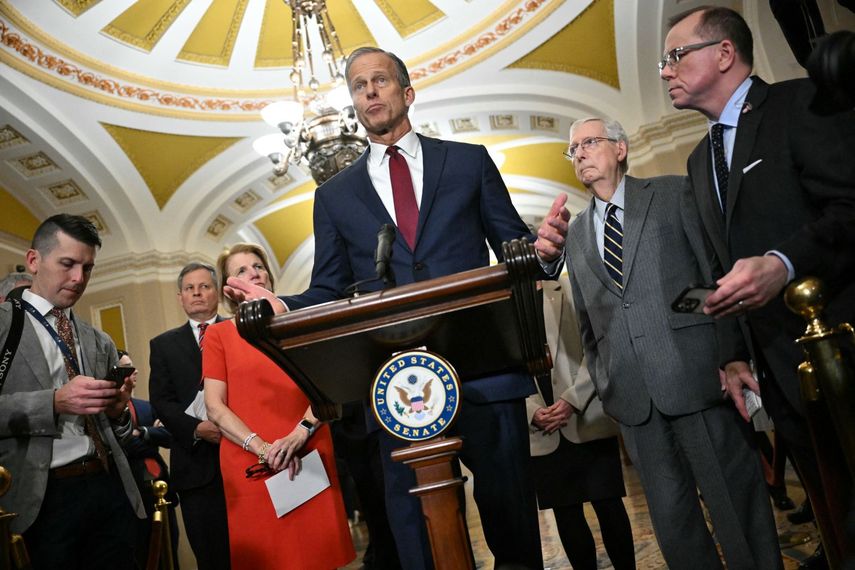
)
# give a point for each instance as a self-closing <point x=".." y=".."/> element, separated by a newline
<point x="64" y="348"/>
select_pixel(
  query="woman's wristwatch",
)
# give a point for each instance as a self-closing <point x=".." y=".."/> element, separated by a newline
<point x="308" y="426"/>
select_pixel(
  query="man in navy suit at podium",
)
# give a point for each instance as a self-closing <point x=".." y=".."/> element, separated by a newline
<point x="447" y="200"/>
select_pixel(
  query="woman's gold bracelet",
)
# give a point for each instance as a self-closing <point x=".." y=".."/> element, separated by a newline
<point x="262" y="452"/>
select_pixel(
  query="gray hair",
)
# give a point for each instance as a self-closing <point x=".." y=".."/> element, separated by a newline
<point x="614" y="130"/>
<point x="12" y="280"/>
<point x="400" y="68"/>
<point x="194" y="266"/>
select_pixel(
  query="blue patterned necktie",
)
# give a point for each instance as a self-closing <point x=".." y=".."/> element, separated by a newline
<point x="722" y="172"/>
<point x="613" y="246"/>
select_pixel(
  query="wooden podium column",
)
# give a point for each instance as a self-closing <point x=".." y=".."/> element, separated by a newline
<point x="438" y="489"/>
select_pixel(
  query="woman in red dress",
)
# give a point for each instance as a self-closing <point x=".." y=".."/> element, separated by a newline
<point x="266" y="422"/>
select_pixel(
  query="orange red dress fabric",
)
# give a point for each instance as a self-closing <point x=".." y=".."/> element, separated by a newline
<point x="315" y="535"/>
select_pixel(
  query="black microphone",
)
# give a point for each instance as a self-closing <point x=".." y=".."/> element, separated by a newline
<point x="385" y="239"/>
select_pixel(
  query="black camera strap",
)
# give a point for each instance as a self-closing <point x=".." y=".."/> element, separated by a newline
<point x="13" y="339"/>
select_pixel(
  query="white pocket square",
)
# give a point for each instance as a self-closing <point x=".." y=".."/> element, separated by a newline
<point x="752" y="165"/>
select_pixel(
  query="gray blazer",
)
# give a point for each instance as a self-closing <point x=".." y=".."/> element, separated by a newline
<point x="639" y="352"/>
<point x="28" y="424"/>
<point x="570" y="378"/>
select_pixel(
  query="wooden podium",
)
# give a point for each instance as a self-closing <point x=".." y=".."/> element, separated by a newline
<point x="482" y="321"/>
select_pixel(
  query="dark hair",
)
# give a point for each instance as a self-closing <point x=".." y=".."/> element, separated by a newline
<point x="223" y="260"/>
<point x="401" y="69"/>
<point x="721" y="23"/>
<point x="77" y="227"/>
<point x="122" y="353"/>
<point x="194" y="266"/>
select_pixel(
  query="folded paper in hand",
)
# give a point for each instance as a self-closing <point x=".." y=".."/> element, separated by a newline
<point x="197" y="408"/>
<point x="288" y="495"/>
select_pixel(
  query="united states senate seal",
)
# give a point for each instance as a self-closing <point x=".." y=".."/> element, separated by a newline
<point x="415" y="395"/>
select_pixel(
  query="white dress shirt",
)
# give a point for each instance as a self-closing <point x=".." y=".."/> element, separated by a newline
<point x="72" y="444"/>
<point x="378" y="169"/>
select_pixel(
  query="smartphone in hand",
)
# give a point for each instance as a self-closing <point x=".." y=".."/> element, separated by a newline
<point x="692" y="299"/>
<point x="119" y="373"/>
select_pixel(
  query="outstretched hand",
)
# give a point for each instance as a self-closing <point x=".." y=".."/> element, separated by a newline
<point x="553" y="230"/>
<point x="239" y="291"/>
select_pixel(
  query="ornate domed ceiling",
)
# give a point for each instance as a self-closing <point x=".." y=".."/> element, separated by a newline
<point x="140" y="114"/>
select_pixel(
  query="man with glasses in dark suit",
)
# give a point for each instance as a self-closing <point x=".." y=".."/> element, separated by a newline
<point x="775" y="188"/>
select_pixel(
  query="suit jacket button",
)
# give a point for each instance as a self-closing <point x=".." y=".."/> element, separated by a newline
<point x="625" y="305"/>
<point x="419" y="266"/>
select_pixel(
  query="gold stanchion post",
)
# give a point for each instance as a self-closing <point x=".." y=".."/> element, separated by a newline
<point x="828" y="392"/>
<point x="160" y="543"/>
<point x="13" y="552"/>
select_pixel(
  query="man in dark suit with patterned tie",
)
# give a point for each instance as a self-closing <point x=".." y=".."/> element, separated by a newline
<point x="176" y="373"/>
<point x="776" y="195"/>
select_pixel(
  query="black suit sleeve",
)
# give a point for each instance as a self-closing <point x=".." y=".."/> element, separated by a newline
<point x="821" y="149"/>
<point x="165" y="397"/>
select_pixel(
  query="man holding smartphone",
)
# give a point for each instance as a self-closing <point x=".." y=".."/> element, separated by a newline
<point x="61" y="423"/>
<point x="656" y="371"/>
<point x="773" y="182"/>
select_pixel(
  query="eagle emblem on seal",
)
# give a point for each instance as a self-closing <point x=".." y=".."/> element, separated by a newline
<point x="416" y="397"/>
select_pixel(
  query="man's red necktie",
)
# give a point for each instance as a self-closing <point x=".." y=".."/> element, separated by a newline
<point x="406" y="209"/>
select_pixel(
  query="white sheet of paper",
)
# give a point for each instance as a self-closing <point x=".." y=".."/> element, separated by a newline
<point x="197" y="408"/>
<point x="288" y="495"/>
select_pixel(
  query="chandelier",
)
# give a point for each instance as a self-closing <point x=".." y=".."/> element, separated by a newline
<point x="318" y="129"/>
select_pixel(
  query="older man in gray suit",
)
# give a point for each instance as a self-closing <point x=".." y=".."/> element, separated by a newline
<point x="60" y="422"/>
<point x="630" y="253"/>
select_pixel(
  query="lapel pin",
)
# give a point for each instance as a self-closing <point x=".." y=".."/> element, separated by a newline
<point x="746" y="107"/>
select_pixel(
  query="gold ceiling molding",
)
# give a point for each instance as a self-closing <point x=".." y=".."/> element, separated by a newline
<point x="17" y="220"/>
<point x="27" y="28"/>
<point x="540" y="160"/>
<point x="590" y="42"/>
<point x="274" y="40"/>
<point x="166" y="160"/>
<point x="519" y="21"/>
<point x="410" y="16"/>
<point x="77" y="7"/>
<point x="144" y="22"/>
<point x="213" y="39"/>
<point x="46" y="66"/>
<point x="286" y="229"/>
